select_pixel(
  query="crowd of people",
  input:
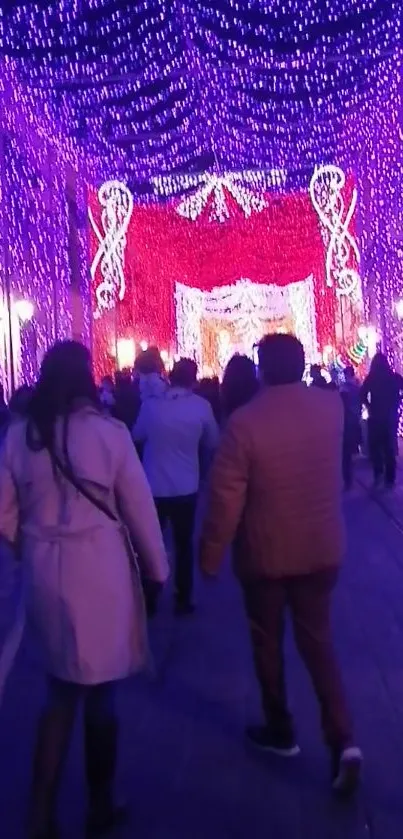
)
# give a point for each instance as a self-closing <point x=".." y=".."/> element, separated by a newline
<point x="89" y="479"/>
<point x="380" y="395"/>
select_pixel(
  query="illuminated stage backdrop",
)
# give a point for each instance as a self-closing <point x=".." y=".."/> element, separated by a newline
<point x="212" y="272"/>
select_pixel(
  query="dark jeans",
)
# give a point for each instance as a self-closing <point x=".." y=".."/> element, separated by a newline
<point x="351" y="441"/>
<point x="308" y="598"/>
<point x="180" y="512"/>
<point x="348" y="455"/>
<point x="382" y="449"/>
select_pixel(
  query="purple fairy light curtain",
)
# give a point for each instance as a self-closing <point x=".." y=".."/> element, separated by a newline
<point x="158" y="90"/>
<point x="42" y="242"/>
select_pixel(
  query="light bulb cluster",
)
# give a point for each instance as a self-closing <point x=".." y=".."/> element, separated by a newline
<point x="155" y="89"/>
<point x="162" y="86"/>
<point x="43" y="249"/>
<point x="275" y="248"/>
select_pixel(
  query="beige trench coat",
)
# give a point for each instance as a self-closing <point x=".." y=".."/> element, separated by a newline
<point x="82" y="599"/>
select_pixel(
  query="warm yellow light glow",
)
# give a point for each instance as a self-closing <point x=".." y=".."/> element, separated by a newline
<point x="25" y="310"/>
<point x="125" y="353"/>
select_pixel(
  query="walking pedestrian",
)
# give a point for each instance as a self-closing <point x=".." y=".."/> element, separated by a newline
<point x="318" y="379"/>
<point x="70" y="483"/>
<point x="276" y="494"/>
<point x="127" y="399"/>
<point x="350" y="393"/>
<point x="107" y="394"/>
<point x="172" y="429"/>
<point x="382" y="393"/>
<point x="210" y="389"/>
<point x="239" y="384"/>
<point x="150" y="369"/>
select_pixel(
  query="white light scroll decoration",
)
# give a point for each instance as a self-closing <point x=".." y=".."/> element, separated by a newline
<point x="301" y="299"/>
<point x="249" y="306"/>
<point x="116" y="201"/>
<point x="189" y="312"/>
<point x="326" y="191"/>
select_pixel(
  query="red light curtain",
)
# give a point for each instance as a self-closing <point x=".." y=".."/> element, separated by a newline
<point x="282" y="244"/>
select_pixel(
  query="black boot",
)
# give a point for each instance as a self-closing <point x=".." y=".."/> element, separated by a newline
<point x="50" y="833"/>
<point x="101" y="756"/>
<point x="53" y="738"/>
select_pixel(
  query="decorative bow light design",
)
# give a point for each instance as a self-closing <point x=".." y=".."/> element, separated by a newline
<point x="117" y="203"/>
<point x="326" y="191"/>
<point x="215" y="186"/>
<point x="245" y="188"/>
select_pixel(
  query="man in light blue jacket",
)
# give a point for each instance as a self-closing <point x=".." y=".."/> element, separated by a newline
<point x="173" y="427"/>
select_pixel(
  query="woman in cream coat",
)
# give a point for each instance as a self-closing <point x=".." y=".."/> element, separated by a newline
<point x="73" y="496"/>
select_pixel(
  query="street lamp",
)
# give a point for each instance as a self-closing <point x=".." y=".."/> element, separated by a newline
<point x="25" y="310"/>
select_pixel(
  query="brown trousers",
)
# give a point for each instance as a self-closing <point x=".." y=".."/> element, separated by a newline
<point x="308" y="599"/>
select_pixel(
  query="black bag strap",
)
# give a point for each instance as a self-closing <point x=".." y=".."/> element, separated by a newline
<point x="83" y="489"/>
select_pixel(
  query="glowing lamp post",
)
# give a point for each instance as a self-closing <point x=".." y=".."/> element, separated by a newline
<point x="25" y="337"/>
<point x="25" y="310"/>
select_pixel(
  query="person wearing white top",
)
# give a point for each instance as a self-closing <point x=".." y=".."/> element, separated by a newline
<point x="173" y="428"/>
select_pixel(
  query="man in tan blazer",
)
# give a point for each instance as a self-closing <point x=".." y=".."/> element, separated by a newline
<point x="276" y="495"/>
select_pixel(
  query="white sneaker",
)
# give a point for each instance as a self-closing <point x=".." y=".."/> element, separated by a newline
<point x="347" y="771"/>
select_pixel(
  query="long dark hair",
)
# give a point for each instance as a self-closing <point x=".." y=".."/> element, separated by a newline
<point x="239" y="384"/>
<point x="380" y="368"/>
<point x="20" y="401"/>
<point x="65" y="383"/>
<point x="209" y="389"/>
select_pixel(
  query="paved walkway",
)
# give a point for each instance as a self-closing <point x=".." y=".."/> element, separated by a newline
<point x="184" y="764"/>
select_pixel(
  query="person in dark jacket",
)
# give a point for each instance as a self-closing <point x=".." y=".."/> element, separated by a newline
<point x="351" y="398"/>
<point x="127" y="399"/>
<point x="239" y="384"/>
<point x="381" y="393"/>
<point x="210" y="389"/>
<point x="318" y="379"/>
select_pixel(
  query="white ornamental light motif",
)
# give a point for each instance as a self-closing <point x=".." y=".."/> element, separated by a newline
<point x="214" y="187"/>
<point x="116" y="201"/>
<point x="248" y="306"/>
<point x="326" y="191"/>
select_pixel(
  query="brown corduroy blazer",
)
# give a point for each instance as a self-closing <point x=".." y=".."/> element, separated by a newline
<point x="276" y="486"/>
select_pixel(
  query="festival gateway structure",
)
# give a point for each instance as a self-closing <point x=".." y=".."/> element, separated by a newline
<point x="243" y="175"/>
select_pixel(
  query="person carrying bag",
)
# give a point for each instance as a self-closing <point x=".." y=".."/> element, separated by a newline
<point x="74" y="498"/>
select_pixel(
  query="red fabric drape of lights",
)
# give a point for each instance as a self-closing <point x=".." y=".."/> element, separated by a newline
<point x="281" y="245"/>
